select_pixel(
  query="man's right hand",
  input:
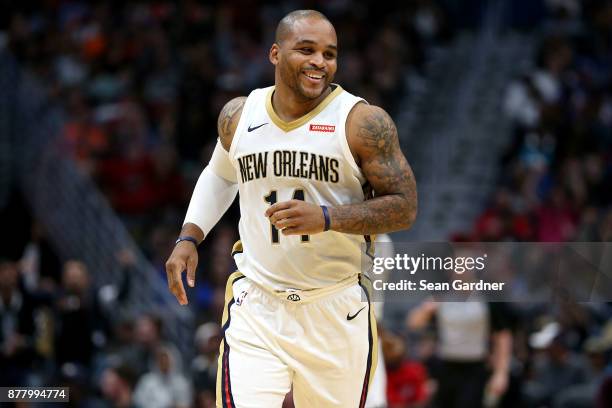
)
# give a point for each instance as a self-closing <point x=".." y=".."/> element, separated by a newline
<point x="183" y="257"/>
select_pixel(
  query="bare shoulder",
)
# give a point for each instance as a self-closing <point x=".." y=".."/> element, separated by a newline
<point x="370" y="130"/>
<point x="228" y="120"/>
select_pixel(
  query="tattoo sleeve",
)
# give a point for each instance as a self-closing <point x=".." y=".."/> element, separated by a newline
<point x="228" y="120"/>
<point x="394" y="207"/>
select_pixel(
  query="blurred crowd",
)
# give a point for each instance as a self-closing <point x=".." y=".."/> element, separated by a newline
<point x="67" y="334"/>
<point x="555" y="186"/>
<point x="556" y="176"/>
<point x="141" y="85"/>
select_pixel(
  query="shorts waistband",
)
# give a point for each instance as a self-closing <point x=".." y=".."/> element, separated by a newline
<point x="310" y="295"/>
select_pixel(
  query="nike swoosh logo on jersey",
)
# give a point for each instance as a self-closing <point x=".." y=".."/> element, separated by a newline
<point x="250" y="129"/>
<point x="349" y="317"/>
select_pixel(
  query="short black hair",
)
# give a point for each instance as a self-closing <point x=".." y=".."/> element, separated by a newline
<point x="284" y="26"/>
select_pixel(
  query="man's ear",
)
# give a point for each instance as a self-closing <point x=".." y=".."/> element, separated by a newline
<point x="273" y="55"/>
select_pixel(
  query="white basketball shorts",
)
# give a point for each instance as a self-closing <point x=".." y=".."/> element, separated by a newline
<point x="322" y="342"/>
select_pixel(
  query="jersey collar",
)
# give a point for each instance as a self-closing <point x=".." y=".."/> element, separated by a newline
<point x="294" y="124"/>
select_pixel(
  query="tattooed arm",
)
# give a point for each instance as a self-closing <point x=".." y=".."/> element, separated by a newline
<point x="226" y="127"/>
<point x="228" y="120"/>
<point x="373" y="140"/>
<point x="212" y="195"/>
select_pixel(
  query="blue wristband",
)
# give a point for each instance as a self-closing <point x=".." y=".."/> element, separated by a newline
<point x="326" y="216"/>
<point x="190" y="239"/>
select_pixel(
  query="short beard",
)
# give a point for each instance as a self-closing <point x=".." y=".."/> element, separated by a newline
<point x="294" y="84"/>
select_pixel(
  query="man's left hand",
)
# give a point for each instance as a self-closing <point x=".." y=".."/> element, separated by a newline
<point x="296" y="217"/>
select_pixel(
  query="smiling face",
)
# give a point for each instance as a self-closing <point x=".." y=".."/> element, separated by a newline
<point x="305" y="58"/>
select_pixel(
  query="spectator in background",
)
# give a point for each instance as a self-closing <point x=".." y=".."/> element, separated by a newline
<point x="504" y="217"/>
<point x="556" y="219"/>
<point x="77" y="379"/>
<point x="40" y="266"/>
<point x="583" y="395"/>
<point x="204" y="365"/>
<point x="534" y="100"/>
<point x="148" y="339"/>
<point x="83" y="138"/>
<point x="17" y="329"/>
<point x="117" y="386"/>
<point x="555" y="367"/>
<point x="407" y="381"/>
<point x="469" y="335"/>
<point x="82" y="328"/>
<point x="219" y="267"/>
<point x="138" y="181"/>
<point x="159" y="243"/>
<point x="121" y="348"/>
<point x="164" y="386"/>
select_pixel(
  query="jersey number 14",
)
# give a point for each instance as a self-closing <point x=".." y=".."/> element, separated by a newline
<point x="271" y="198"/>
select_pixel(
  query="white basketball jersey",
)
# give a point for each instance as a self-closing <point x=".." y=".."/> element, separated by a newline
<point x="305" y="159"/>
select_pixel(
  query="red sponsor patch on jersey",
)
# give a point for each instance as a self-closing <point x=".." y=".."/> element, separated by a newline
<point x="322" y="128"/>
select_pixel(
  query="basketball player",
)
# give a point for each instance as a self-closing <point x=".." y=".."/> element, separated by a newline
<point x="303" y="154"/>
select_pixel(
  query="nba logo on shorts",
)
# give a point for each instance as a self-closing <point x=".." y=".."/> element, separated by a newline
<point x="241" y="297"/>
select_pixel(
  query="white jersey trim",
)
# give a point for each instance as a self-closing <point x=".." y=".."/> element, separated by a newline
<point x="295" y="124"/>
<point x="238" y="132"/>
